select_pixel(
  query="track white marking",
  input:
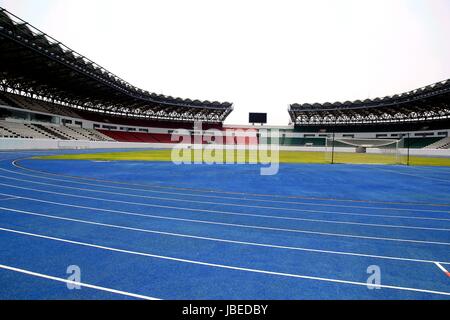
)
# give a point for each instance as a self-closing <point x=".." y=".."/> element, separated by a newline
<point x="221" y="266"/>
<point x="225" y="212"/>
<point x="238" y="225"/>
<point x="414" y="175"/>
<point x="231" y="198"/>
<point x="219" y="239"/>
<point x="82" y="284"/>
<point x="430" y="169"/>
<point x="14" y="163"/>
<point x="439" y="265"/>
<point x="9" y="198"/>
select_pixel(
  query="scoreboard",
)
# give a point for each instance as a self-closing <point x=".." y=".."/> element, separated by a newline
<point x="258" y="118"/>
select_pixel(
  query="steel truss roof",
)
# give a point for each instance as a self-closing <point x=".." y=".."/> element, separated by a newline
<point x="427" y="103"/>
<point x="34" y="64"/>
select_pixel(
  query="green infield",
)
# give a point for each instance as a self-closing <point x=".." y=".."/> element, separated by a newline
<point x="231" y="156"/>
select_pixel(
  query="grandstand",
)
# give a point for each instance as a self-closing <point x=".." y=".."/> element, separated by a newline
<point x="76" y="99"/>
<point x="77" y="86"/>
<point x="422" y="116"/>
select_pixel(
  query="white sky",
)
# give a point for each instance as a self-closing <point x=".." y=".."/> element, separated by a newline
<point x="260" y="55"/>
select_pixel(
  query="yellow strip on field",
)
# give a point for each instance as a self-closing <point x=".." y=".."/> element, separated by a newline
<point x="248" y="157"/>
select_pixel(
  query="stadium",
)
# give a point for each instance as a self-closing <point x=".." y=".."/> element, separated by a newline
<point x="93" y="206"/>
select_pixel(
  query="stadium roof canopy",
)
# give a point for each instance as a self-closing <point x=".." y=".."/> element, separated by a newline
<point x="428" y="103"/>
<point x="34" y="64"/>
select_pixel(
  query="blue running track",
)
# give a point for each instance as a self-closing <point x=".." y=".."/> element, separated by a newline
<point x="143" y="230"/>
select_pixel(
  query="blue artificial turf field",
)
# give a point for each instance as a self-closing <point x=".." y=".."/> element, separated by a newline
<point x="156" y="230"/>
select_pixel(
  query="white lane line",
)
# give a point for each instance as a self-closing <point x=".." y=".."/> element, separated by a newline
<point x="242" y="225"/>
<point x="234" y="204"/>
<point x="229" y="198"/>
<point x="14" y="163"/>
<point x="221" y="266"/>
<point x="9" y="198"/>
<point x="439" y="265"/>
<point x="414" y="175"/>
<point x="220" y="239"/>
<point x="231" y="212"/>
<point x="315" y="212"/>
<point x="430" y="169"/>
<point x="82" y="284"/>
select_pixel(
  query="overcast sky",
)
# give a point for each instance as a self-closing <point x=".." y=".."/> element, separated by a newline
<point x="260" y="55"/>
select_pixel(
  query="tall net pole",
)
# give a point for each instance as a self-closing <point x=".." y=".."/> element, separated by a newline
<point x="332" y="148"/>
<point x="332" y="142"/>
<point x="408" y="145"/>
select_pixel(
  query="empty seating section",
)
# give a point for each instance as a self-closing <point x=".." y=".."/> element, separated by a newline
<point x="119" y="136"/>
<point x="89" y="134"/>
<point x="130" y="136"/>
<point x="75" y="133"/>
<point x="98" y="136"/>
<point x="41" y="131"/>
<point x="446" y="145"/>
<point x="52" y="131"/>
<point x="238" y="136"/>
<point x="123" y="136"/>
<point x="440" y="144"/>
<point x="234" y="137"/>
<point x="20" y="130"/>
<point x="22" y="102"/>
<point x="38" y="126"/>
<point x="141" y="137"/>
<point x="242" y="137"/>
<point x="5" y="133"/>
<point x="162" y="138"/>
